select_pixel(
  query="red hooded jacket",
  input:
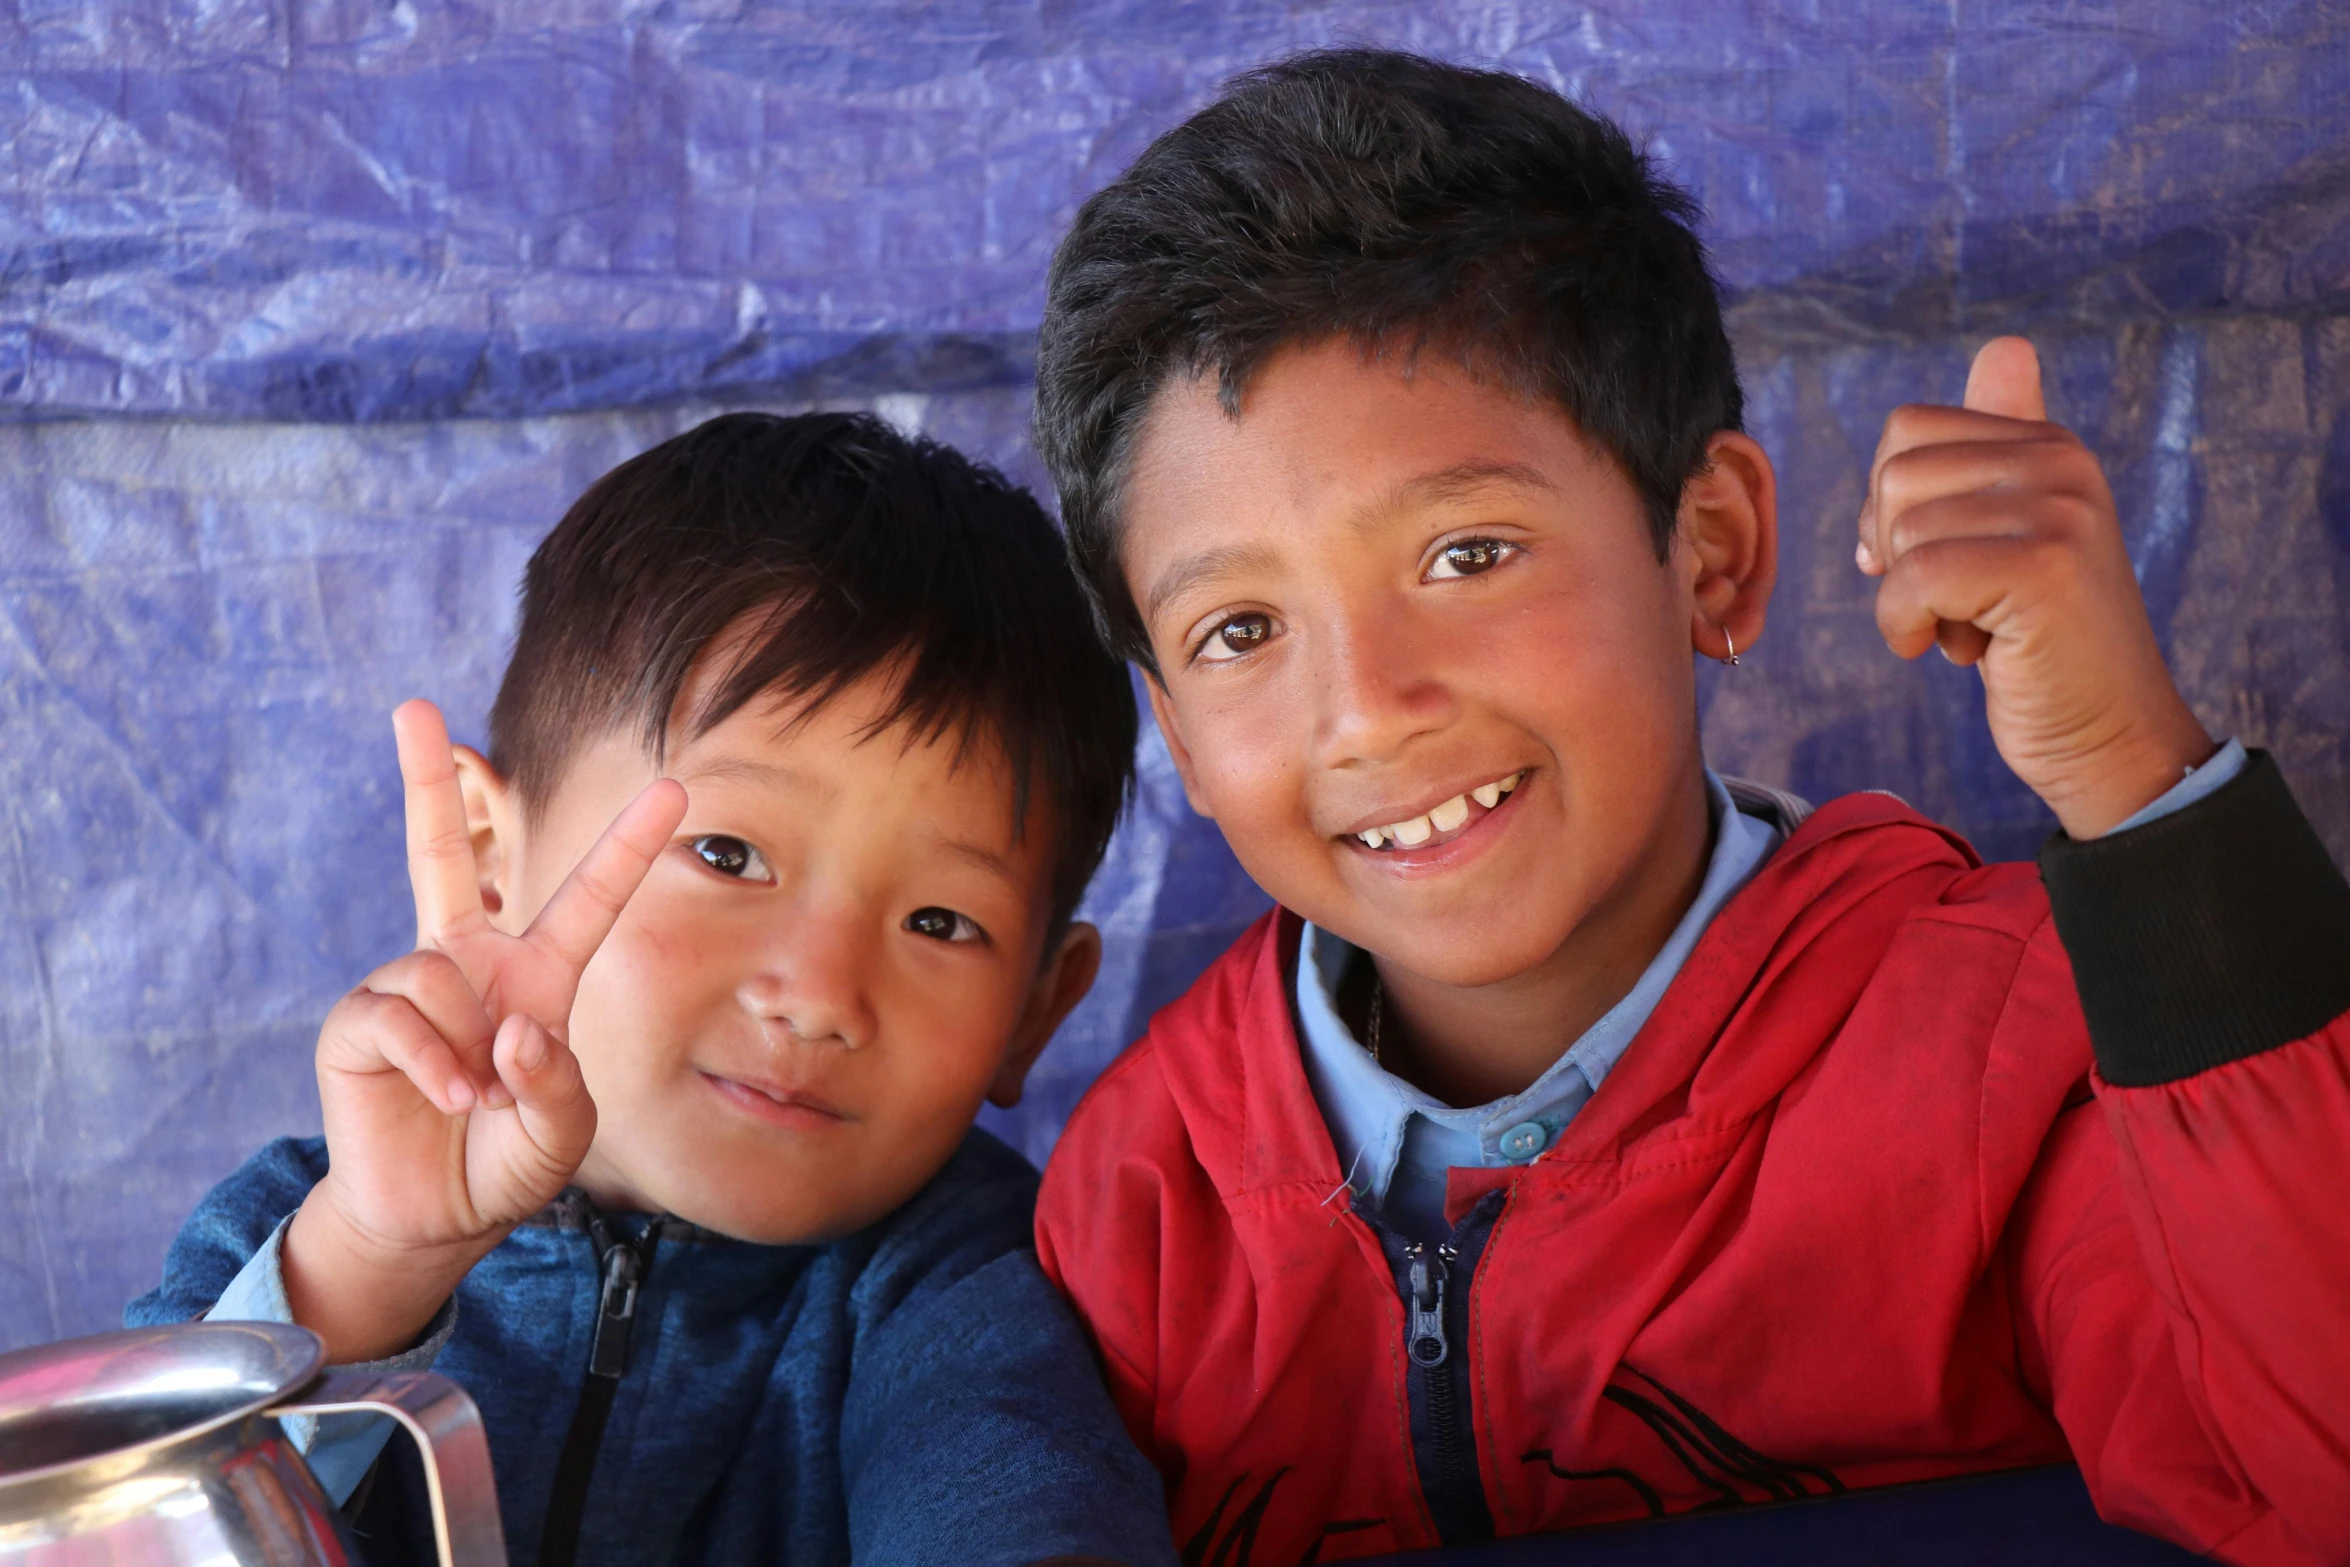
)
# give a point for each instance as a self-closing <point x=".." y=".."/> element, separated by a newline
<point x="1853" y="1209"/>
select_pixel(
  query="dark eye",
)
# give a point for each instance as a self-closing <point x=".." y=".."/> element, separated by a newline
<point x="1470" y="557"/>
<point x="732" y="857"/>
<point x="942" y="925"/>
<point x="1241" y="634"/>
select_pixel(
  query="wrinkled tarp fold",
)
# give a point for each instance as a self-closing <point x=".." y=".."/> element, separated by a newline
<point x="314" y="315"/>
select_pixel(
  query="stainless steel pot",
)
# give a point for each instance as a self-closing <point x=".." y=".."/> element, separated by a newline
<point x="162" y="1446"/>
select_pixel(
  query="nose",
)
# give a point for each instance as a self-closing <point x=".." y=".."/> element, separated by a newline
<point x="1378" y="687"/>
<point x="811" y="982"/>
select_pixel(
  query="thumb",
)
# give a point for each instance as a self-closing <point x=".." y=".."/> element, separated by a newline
<point x="550" y="1094"/>
<point x="2005" y="380"/>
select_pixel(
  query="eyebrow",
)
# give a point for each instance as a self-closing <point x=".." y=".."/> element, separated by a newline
<point x="1206" y="566"/>
<point x="1454" y="483"/>
<point x="747" y="771"/>
<point x="985" y="859"/>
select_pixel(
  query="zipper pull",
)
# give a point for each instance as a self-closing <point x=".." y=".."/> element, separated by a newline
<point x="615" y="1312"/>
<point x="1425" y="1336"/>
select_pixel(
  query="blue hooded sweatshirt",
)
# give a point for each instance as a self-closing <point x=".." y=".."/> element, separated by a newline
<point x="915" y="1393"/>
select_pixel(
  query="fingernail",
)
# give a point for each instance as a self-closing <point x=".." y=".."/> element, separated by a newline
<point x="1863" y="556"/>
<point x="531" y="1054"/>
<point x="496" y="1096"/>
<point x="460" y="1094"/>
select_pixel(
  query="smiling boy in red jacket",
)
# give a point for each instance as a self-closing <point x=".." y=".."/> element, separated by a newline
<point x="1587" y="1138"/>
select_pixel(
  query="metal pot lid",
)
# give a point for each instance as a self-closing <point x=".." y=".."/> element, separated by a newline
<point x="65" y="1404"/>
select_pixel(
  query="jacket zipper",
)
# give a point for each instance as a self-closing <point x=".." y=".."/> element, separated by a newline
<point x="621" y="1268"/>
<point x="624" y="1270"/>
<point x="1434" y="1282"/>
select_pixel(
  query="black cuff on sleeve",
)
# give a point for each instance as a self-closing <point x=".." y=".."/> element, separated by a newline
<point x="2205" y="936"/>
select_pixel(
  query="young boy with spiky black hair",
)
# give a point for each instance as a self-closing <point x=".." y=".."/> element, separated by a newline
<point x="1586" y="1136"/>
<point x="660" y="1142"/>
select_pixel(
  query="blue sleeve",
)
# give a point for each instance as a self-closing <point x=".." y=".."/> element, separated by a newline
<point x="2223" y="766"/>
<point x="976" y="1429"/>
<point x="229" y="1227"/>
<point x="340" y="1448"/>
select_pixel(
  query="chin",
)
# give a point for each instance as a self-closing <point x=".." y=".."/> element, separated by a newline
<point x="1470" y="966"/>
<point x="1473" y="946"/>
<point x="742" y="1216"/>
<point x="778" y="1202"/>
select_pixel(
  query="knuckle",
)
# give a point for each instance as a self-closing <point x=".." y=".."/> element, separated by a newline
<point x="367" y="1008"/>
<point x="437" y="970"/>
<point x="352" y="1018"/>
<point x="1903" y="466"/>
<point x="390" y="1022"/>
<point x="427" y="968"/>
<point x="1924" y="540"/>
<point x="600" y="887"/>
<point x="2074" y="514"/>
<point x="1904" y="535"/>
<point x="1896" y="482"/>
<point x="444" y="843"/>
<point x="391" y="975"/>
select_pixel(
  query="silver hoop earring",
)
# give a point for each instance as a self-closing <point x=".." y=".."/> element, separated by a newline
<point x="1732" y="660"/>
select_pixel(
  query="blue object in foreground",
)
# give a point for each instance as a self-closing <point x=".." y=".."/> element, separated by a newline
<point x="2020" y="1518"/>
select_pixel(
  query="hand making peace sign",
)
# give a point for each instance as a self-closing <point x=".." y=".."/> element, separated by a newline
<point x="454" y="1108"/>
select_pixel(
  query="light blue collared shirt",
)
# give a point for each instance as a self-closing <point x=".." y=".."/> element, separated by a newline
<point x="1397" y="1143"/>
<point x="340" y="1448"/>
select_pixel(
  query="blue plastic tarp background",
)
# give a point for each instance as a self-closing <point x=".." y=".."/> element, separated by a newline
<point x="313" y="317"/>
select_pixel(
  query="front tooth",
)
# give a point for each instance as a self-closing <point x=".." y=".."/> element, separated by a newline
<point x="1451" y="813"/>
<point x="1511" y="782"/>
<point x="1374" y="837"/>
<point x="1487" y="795"/>
<point x="1413" y="833"/>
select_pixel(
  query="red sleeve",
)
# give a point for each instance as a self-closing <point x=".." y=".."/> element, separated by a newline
<point x="2183" y="1301"/>
<point x="2182" y="1251"/>
<point x="2238" y="1186"/>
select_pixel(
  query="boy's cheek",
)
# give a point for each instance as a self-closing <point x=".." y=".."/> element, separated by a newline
<point x="1247" y="756"/>
<point x="659" y="988"/>
<point x="659" y="959"/>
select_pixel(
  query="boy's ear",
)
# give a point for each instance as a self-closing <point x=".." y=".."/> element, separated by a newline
<point x="1163" y="711"/>
<point x="1060" y="985"/>
<point x="491" y="819"/>
<point x="1730" y="526"/>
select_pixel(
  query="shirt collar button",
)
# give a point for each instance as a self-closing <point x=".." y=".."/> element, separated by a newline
<point x="1523" y="1141"/>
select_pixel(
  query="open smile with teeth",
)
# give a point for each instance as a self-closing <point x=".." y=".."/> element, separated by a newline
<point x="1449" y="817"/>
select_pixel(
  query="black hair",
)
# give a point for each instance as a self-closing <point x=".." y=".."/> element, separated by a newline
<point x="847" y="549"/>
<point x="1406" y="204"/>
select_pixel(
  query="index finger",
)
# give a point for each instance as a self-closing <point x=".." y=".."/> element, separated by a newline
<point x="583" y="910"/>
<point x="440" y="845"/>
